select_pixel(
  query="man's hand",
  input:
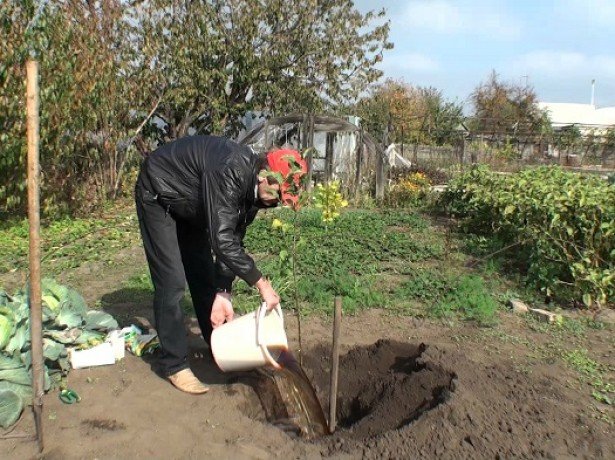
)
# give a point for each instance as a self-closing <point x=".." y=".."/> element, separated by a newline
<point x="221" y="310"/>
<point x="268" y="294"/>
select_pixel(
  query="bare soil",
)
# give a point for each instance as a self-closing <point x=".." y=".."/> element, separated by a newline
<point x="408" y="388"/>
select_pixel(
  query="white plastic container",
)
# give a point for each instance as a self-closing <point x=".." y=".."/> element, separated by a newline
<point x="100" y="355"/>
<point x="108" y="352"/>
<point x="118" y="343"/>
<point x="250" y="341"/>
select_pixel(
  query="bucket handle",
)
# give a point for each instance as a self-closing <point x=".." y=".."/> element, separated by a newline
<point x="262" y="310"/>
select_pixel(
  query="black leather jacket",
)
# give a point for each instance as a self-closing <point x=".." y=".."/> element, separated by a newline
<point x="211" y="182"/>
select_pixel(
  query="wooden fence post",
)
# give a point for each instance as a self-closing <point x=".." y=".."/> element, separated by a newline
<point x="310" y="156"/>
<point x="267" y="146"/>
<point x="36" y="328"/>
<point x="304" y="132"/>
<point x="380" y="163"/>
<point x="359" y="162"/>
<point x="329" y="157"/>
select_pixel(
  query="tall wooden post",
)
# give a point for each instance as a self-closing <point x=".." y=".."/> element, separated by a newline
<point x="36" y="328"/>
<point x="335" y="363"/>
<point x="304" y="133"/>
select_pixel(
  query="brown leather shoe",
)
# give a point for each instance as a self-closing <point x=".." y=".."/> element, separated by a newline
<point x="186" y="381"/>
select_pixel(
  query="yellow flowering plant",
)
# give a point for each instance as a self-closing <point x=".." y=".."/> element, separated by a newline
<point x="408" y="190"/>
<point x="329" y="200"/>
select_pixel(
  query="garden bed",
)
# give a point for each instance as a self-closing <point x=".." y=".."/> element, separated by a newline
<point x="486" y="383"/>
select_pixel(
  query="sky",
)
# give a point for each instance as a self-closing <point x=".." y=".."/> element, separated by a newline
<point x="556" y="46"/>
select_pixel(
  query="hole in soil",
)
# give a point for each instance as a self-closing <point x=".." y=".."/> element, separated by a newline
<point x="382" y="387"/>
<point x="385" y="386"/>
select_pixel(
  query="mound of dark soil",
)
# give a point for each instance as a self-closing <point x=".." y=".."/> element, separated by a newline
<point x="401" y="400"/>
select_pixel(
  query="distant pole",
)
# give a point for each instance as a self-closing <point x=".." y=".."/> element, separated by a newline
<point x="380" y="162"/>
<point x="310" y="156"/>
<point x="36" y="328"/>
<point x="329" y="157"/>
<point x="335" y="363"/>
<point x="358" y="161"/>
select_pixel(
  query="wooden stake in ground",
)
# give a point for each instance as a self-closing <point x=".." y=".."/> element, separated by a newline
<point x="335" y="363"/>
<point x="36" y="327"/>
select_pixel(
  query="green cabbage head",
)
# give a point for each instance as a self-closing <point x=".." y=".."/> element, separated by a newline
<point x="6" y="329"/>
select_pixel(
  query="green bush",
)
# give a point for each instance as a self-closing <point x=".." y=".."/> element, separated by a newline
<point x="564" y="223"/>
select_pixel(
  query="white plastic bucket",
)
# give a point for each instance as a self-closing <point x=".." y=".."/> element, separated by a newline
<point x="248" y="342"/>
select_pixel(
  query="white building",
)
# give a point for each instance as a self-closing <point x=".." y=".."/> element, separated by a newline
<point x="585" y="116"/>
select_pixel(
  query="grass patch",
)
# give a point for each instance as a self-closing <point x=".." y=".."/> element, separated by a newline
<point x="569" y="329"/>
<point x="351" y="258"/>
<point x="136" y="289"/>
<point x="446" y="295"/>
<point x="68" y="242"/>
<point x="141" y="282"/>
<point x="358" y="243"/>
<point x="590" y="371"/>
<point x="428" y="286"/>
<point x="469" y="297"/>
<point x="392" y="259"/>
<point x="593" y="373"/>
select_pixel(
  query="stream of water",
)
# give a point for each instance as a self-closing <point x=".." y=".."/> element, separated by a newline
<point x="303" y="414"/>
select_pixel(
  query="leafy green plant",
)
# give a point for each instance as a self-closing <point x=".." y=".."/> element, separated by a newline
<point x="66" y="322"/>
<point x="562" y="223"/>
<point x="329" y="200"/>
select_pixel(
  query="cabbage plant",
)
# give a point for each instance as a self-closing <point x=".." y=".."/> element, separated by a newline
<point x="67" y="322"/>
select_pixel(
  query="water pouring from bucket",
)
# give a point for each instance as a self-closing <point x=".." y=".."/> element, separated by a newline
<point x="258" y="341"/>
<point x="250" y="341"/>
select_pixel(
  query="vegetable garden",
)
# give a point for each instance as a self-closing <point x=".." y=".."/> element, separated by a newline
<point x="478" y="318"/>
<point x="439" y="268"/>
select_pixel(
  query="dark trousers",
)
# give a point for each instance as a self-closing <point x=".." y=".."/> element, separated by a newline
<point x="176" y="251"/>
